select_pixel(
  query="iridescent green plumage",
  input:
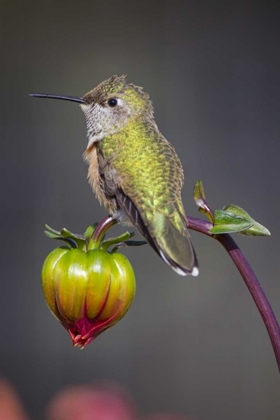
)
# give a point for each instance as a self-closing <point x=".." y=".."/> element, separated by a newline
<point x="135" y="172"/>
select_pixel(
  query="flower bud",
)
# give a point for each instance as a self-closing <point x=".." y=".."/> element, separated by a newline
<point x="87" y="292"/>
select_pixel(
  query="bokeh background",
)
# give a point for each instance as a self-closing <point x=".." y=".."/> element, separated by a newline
<point x="196" y="346"/>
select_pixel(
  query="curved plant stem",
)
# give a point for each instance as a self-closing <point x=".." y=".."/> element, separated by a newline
<point x="102" y="228"/>
<point x="242" y="265"/>
<point x="250" y="279"/>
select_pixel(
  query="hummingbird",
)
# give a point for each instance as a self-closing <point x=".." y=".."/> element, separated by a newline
<point x="134" y="171"/>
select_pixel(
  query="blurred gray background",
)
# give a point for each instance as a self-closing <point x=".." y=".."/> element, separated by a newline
<point x="195" y="346"/>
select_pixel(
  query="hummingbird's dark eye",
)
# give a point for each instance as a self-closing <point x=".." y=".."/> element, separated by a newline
<point x="112" y="102"/>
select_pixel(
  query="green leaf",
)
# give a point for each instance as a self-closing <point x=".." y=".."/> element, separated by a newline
<point x="200" y="200"/>
<point x="256" y="229"/>
<point x="199" y="194"/>
<point x="227" y="222"/>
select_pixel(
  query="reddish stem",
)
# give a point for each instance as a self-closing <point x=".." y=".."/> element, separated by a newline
<point x="102" y="228"/>
<point x="242" y="265"/>
<point x="250" y="279"/>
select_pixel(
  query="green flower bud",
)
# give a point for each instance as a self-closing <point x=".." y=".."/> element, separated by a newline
<point x="87" y="291"/>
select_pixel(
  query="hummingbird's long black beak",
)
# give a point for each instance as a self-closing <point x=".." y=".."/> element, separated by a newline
<point x="64" y="98"/>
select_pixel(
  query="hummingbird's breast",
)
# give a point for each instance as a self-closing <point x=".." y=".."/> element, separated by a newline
<point x="97" y="181"/>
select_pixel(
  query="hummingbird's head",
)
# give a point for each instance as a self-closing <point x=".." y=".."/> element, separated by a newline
<point x="110" y="106"/>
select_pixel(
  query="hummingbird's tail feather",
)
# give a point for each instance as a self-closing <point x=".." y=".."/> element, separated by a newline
<point x="188" y="263"/>
<point x="167" y="235"/>
<point x="175" y="246"/>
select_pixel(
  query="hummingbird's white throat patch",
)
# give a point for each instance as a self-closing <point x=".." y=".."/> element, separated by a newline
<point x="104" y="121"/>
<point x="94" y="130"/>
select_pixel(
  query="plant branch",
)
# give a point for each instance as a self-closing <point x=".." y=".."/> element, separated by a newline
<point x="250" y="279"/>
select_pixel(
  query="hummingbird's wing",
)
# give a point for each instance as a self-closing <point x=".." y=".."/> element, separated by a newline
<point x="165" y="230"/>
<point x="115" y="192"/>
